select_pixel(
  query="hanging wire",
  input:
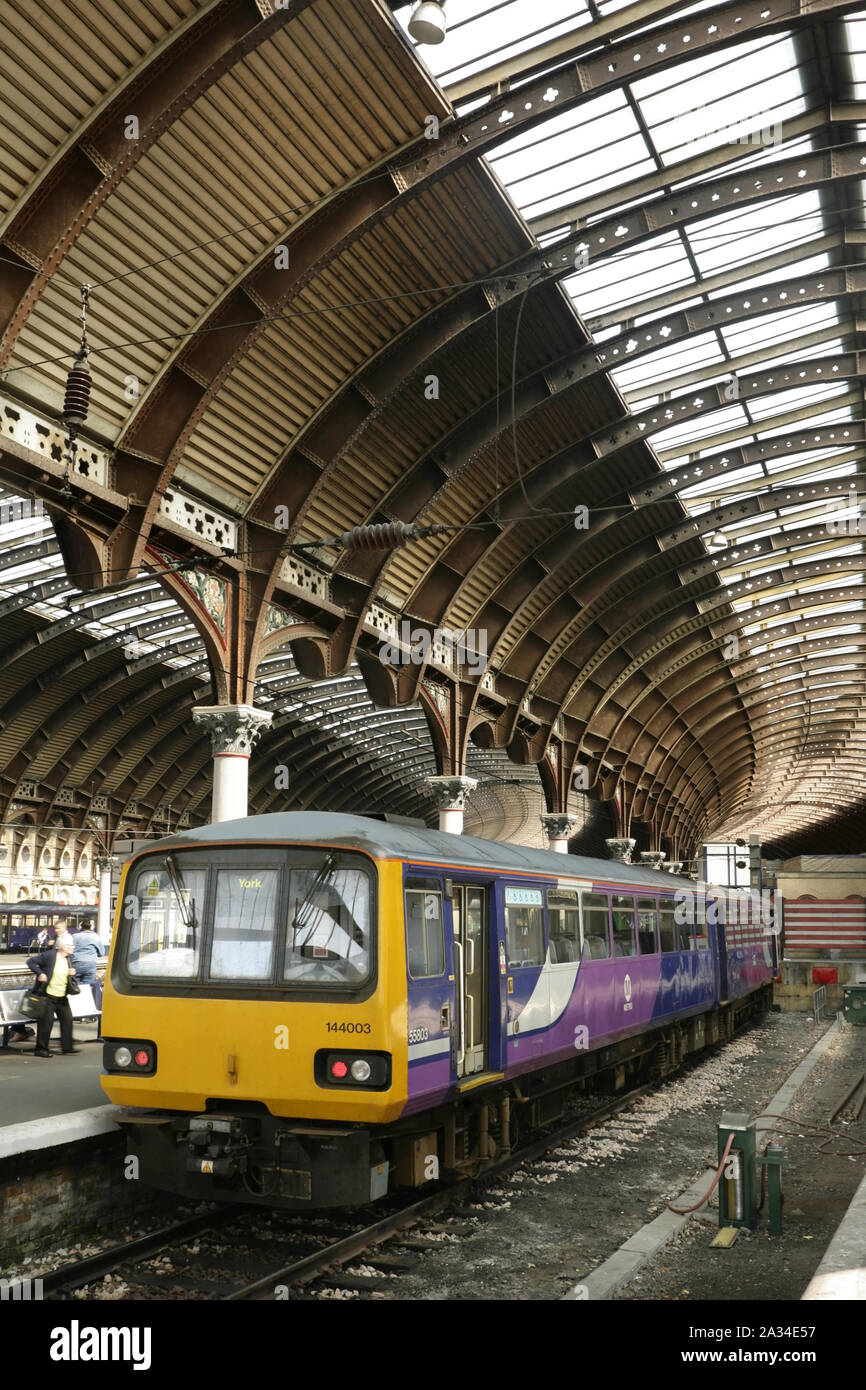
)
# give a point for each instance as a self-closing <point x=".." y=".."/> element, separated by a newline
<point x="478" y="280"/>
<point x="496" y="503"/>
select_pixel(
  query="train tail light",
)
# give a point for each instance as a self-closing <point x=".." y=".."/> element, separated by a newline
<point x="370" y="1071"/>
<point x="129" y="1056"/>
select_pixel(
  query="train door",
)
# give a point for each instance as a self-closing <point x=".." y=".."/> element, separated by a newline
<point x="626" y="961"/>
<point x="470" y="916"/>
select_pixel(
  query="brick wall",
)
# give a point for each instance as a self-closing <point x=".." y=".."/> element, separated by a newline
<point x="58" y="1196"/>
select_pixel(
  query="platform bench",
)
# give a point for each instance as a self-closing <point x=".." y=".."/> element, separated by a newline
<point x="82" y="1005"/>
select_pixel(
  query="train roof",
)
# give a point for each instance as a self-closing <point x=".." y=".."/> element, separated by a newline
<point x="43" y="905"/>
<point x="383" y="840"/>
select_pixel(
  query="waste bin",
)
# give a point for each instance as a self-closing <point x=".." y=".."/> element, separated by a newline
<point x="854" y="1004"/>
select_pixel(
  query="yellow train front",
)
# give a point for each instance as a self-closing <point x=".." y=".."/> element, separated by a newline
<point x="255" y="1012"/>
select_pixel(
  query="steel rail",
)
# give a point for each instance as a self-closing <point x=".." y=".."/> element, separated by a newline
<point x="86" y="1271"/>
<point x="848" y="1100"/>
<point x="310" y="1266"/>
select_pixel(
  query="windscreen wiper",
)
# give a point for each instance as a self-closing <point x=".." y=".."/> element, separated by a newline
<point x="186" y="908"/>
<point x="299" y="920"/>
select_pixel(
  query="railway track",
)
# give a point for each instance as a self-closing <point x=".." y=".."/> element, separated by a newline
<point x="852" y="1103"/>
<point x="242" y="1253"/>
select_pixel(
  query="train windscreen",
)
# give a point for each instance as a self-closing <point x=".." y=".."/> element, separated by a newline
<point x="288" y="918"/>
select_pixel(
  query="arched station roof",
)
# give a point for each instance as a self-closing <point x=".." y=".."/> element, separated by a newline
<point x="579" y="290"/>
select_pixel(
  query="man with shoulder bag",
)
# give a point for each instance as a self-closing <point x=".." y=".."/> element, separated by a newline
<point x="55" y="978"/>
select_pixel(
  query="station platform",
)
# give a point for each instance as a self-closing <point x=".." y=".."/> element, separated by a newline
<point x="62" y="1155"/>
<point x="37" y="1088"/>
<point x="841" y="1275"/>
<point x="50" y="1103"/>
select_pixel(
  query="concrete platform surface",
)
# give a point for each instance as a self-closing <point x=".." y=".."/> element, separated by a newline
<point x="841" y="1275"/>
<point x="32" y="1088"/>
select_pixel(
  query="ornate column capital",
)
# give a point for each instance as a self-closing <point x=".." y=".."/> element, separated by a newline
<point x="451" y="792"/>
<point x="620" y="849"/>
<point x="105" y="861"/>
<point x="233" y="729"/>
<point x="653" y="859"/>
<point x="558" y="826"/>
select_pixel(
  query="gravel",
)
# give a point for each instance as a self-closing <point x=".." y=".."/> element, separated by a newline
<point x="559" y="1218"/>
<point x="541" y="1229"/>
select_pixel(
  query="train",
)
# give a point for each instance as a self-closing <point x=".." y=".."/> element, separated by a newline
<point x="21" y="922"/>
<point x="311" y="1010"/>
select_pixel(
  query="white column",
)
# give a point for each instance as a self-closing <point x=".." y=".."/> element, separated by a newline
<point x="450" y="794"/>
<point x="558" y="828"/>
<point x="233" y="730"/>
<point x="104" y="863"/>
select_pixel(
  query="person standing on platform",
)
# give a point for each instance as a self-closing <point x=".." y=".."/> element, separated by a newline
<point x="86" y="956"/>
<point x="52" y="969"/>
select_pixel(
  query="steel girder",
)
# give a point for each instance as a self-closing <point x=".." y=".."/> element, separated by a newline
<point x="820" y="169"/>
<point x="551" y="264"/>
<point x="93" y="165"/>
<point x="462" y="141"/>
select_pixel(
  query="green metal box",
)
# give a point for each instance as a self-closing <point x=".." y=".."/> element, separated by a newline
<point x="738" y="1189"/>
<point x="854" y="1004"/>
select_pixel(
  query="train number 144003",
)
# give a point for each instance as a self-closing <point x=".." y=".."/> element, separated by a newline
<point x="348" y="1027"/>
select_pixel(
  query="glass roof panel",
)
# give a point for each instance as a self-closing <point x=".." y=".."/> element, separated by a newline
<point x="617" y="281"/>
<point x="722" y="99"/>
<point x="491" y="31"/>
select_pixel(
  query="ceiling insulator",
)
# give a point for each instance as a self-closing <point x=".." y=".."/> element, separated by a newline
<point x="389" y="535"/>
<point x="77" y="398"/>
<point x="76" y="401"/>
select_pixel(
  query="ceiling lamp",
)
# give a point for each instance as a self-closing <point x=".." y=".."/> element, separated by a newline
<point x="715" y="540"/>
<point x="427" y="24"/>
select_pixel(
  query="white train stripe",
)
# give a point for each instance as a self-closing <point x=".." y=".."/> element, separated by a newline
<point x="436" y="1047"/>
<point x="549" y="999"/>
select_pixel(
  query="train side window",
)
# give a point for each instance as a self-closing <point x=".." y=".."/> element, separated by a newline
<point x="596" y="936"/>
<point x="563" y="925"/>
<point x="524" y="926"/>
<point x="700" y="941"/>
<point x="668" y="924"/>
<point x="622" y="907"/>
<point x="243" y="924"/>
<point x="425" y="939"/>
<point x="647" y="929"/>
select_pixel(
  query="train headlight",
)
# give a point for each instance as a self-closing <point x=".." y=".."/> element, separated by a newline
<point x="361" y="1069"/>
<point x="122" y="1057"/>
